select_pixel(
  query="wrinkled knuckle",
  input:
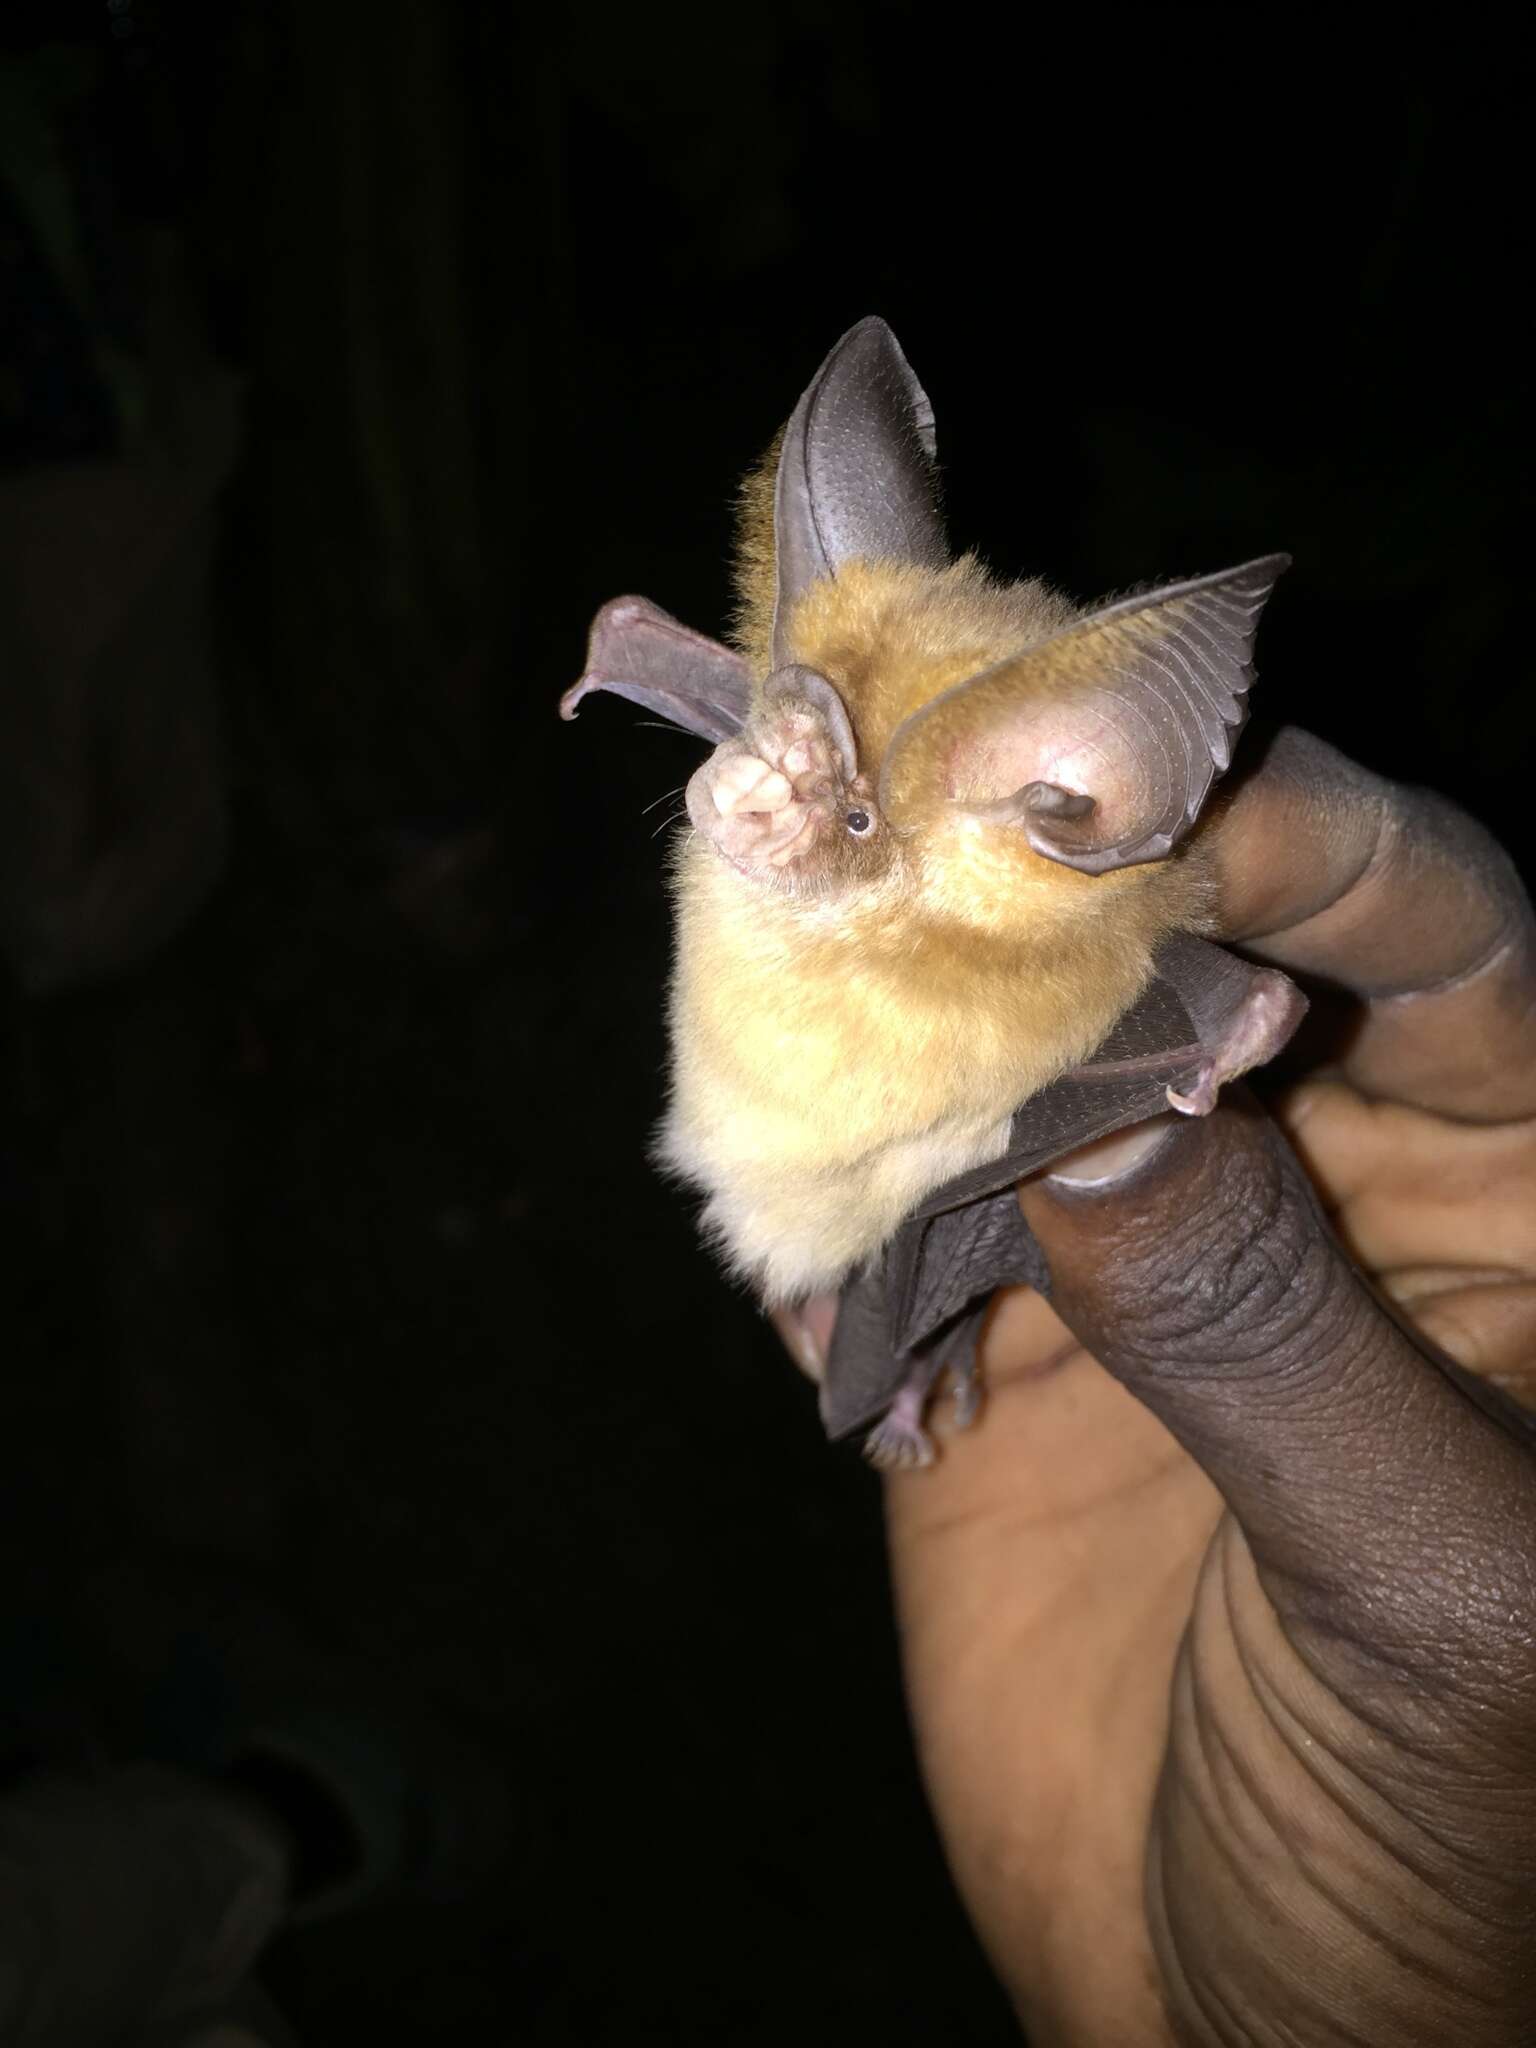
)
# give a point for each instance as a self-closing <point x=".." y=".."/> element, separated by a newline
<point x="1246" y="1272"/>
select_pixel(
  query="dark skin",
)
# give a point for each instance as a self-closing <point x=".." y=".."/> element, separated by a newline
<point x="1220" y="1629"/>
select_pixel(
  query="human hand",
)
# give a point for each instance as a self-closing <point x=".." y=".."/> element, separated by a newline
<point x="1222" y="1649"/>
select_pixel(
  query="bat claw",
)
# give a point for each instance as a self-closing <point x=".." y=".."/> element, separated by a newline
<point x="1254" y="1033"/>
<point x="897" y="1445"/>
<point x="1201" y="1098"/>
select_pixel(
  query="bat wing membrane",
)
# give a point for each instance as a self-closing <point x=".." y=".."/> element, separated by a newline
<point x="924" y="1298"/>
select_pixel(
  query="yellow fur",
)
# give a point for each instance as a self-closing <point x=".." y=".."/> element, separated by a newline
<point x="837" y="1058"/>
<point x="892" y="636"/>
<point x="752" y="626"/>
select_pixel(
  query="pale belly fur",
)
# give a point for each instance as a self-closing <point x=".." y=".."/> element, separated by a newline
<point x="816" y="1108"/>
<point x="793" y="1231"/>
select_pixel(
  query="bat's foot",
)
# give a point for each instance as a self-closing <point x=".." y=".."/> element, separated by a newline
<point x="898" y="1442"/>
<point x="1255" y="1032"/>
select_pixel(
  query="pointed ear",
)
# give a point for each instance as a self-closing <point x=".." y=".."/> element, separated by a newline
<point x="856" y="472"/>
<point x="641" y="652"/>
<point x="1102" y="743"/>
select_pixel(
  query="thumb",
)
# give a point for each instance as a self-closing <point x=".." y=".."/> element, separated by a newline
<point x="1378" y="1496"/>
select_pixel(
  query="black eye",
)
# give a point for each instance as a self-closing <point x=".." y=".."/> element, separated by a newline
<point x="859" y="822"/>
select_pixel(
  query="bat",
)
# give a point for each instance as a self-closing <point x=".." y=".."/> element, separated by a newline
<point x="939" y="910"/>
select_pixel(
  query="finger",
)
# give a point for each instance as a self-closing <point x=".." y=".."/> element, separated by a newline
<point x="1442" y="1215"/>
<point x="1407" y="1189"/>
<point x="1377" y="1497"/>
<point x="1392" y="894"/>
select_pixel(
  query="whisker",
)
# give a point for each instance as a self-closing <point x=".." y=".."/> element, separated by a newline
<point x="680" y="813"/>
<point x="662" y="798"/>
<point x="660" y="725"/>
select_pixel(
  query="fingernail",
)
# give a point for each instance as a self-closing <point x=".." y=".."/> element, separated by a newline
<point x="1108" y="1160"/>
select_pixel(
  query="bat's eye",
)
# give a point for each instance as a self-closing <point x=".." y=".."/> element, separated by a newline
<point x="858" y="822"/>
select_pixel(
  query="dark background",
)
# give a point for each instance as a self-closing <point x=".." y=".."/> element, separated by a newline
<point x="336" y="1285"/>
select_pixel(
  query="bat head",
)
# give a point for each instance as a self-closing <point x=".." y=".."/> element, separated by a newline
<point x="1089" y="741"/>
<point x="909" y="695"/>
<point x="785" y="801"/>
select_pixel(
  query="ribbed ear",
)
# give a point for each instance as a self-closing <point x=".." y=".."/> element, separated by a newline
<point x="1102" y="743"/>
<point x="641" y="652"/>
<point x="856" y="470"/>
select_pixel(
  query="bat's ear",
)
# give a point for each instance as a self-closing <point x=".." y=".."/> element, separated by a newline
<point x="641" y="652"/>
<point x="1102" y="743"/>
<point x="856" y="470"/>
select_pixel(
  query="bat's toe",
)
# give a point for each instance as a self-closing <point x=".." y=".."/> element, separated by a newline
<point x="899" y="1444"/>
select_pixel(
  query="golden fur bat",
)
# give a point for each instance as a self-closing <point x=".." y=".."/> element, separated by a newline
<point x="943" y="834"/>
